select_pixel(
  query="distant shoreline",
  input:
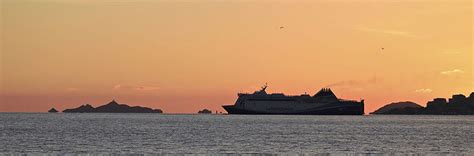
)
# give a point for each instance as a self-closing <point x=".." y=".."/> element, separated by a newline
<point x="365" y="115"/>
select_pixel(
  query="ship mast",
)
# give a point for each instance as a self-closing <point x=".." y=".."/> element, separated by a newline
<point x="264" y="87"/>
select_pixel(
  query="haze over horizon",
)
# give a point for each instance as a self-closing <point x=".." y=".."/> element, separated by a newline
<point x="182" y="56"/>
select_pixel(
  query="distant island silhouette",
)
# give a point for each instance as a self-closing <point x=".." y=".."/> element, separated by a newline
<point x="205" y="111"/>
<point x="112" y="107"/>
<point x="406" y="107"/>
<point x="458" y="104"/>
<point x="52" y="110"/>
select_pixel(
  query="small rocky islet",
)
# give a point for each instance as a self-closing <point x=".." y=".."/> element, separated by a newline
<point x="205" y="111"/>
<point x="52" y="110"/>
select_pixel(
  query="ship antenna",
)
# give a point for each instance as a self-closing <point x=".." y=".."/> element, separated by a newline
<point x="264" y="87"/>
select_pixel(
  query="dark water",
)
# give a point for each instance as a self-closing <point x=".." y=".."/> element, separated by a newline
<point x="212" y="134"/>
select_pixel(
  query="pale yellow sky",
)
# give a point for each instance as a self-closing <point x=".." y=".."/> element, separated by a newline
<point x="183" y="56"/>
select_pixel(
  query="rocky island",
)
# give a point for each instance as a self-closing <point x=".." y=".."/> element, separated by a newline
<point x="52" y="110"/>
<point x="458" y="104"/>
<point x="112" y="107"/>
<point x="205" y="111"/>
<point x="406" y="107"/>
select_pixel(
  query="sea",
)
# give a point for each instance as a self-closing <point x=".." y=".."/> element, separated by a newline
<point x="200" y="134"/>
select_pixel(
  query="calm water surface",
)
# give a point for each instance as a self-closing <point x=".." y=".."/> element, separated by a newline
<point x="208" y="134"/>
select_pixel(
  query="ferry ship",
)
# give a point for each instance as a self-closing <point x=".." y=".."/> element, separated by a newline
<point x="323" y="102"/>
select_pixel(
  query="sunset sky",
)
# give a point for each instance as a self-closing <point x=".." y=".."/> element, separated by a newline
<point x="186" y="55"/>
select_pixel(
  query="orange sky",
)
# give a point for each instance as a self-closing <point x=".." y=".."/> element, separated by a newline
<point x="186" y="55"/>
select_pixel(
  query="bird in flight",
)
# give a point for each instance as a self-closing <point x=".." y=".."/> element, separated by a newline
<point x="383" y="48"/>
<point x="281" y="27"/>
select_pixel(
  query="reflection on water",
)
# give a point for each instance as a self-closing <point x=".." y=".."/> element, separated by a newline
<point x="204" y="134"/>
